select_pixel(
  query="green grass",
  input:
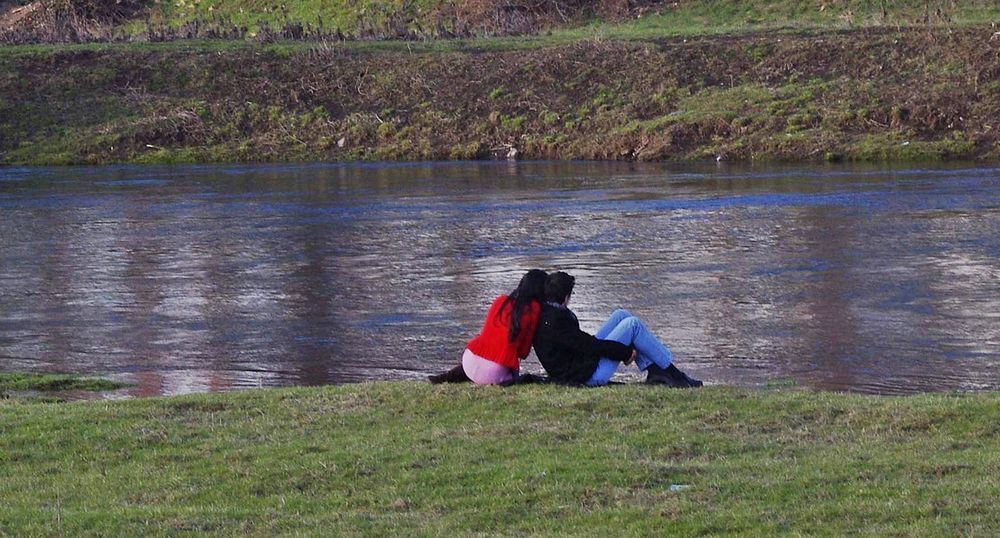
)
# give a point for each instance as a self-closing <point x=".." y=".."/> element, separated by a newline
<point x="55" y="382"/>
<point x="714" y="17"/>
<point x="414" y="459"/>
<point x="331" y="14"/>
<point x="668" y="19"/>
<point x="682" y="20"/>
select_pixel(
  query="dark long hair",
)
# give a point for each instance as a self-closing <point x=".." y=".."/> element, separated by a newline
<point x="531" y="288"/>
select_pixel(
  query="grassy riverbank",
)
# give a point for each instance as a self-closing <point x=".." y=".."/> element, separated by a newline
<point x="857" y="95"/>
<point x="408" y="458"/>
<point x="904" y="80"/>
<point x="54" y="382"/>
<point x="51" y="388"/>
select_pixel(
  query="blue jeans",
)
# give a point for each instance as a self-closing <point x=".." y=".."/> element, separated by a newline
<point x="623" y="327"/>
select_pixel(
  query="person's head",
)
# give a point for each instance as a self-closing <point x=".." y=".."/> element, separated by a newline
<point x="532" y="286"/>
<point x="530" y="289"/>
<point x="558" y="287"/>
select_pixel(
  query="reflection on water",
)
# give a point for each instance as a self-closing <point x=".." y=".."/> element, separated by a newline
<point x="206" y="278"/>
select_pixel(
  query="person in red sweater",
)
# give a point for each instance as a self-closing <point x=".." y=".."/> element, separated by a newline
<point x="494" y="356"/>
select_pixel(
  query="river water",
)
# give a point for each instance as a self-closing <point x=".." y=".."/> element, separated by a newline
<point x="206" y="278"/>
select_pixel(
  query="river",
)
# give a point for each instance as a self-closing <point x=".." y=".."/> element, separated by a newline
<point x="185" y="279"/>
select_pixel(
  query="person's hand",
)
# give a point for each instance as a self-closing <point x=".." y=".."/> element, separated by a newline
<point x="631" y="357"/>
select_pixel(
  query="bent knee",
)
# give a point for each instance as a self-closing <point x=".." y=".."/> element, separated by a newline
<point x="621" y="312"/>
<point x="632" y="321"/>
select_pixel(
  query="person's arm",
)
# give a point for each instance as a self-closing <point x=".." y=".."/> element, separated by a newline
<point x="569" y="334"/>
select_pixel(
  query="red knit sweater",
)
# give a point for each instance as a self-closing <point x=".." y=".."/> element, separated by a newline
<point x="492" y="343"/>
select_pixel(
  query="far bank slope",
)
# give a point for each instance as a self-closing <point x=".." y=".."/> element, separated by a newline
<point x="917" y="94"/>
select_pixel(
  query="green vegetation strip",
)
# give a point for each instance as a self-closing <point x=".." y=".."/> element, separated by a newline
<point x="691" y="16"/>
<point x="413" y="459"/>
<point x="54" y="382"/>
<point x="560" y="20"/>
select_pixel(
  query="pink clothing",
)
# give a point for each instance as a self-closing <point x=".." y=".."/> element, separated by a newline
<point x="484" y="371"/>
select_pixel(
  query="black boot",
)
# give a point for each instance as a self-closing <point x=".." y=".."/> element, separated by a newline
<point x="662" y="376"/>
<point x="670" y="376"/>
<point x="692" y="382"/>
<point x="455" y="375"/>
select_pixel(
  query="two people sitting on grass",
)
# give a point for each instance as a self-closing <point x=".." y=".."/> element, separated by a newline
<point x="537" y="314"/>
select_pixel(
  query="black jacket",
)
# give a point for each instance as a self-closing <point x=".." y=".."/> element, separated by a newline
<point x="568" y="354"/>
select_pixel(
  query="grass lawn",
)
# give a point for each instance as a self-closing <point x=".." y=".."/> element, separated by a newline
<point x="414" y="459"/>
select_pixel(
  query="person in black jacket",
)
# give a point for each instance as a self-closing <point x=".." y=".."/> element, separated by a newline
<point x="570" y="355"/>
